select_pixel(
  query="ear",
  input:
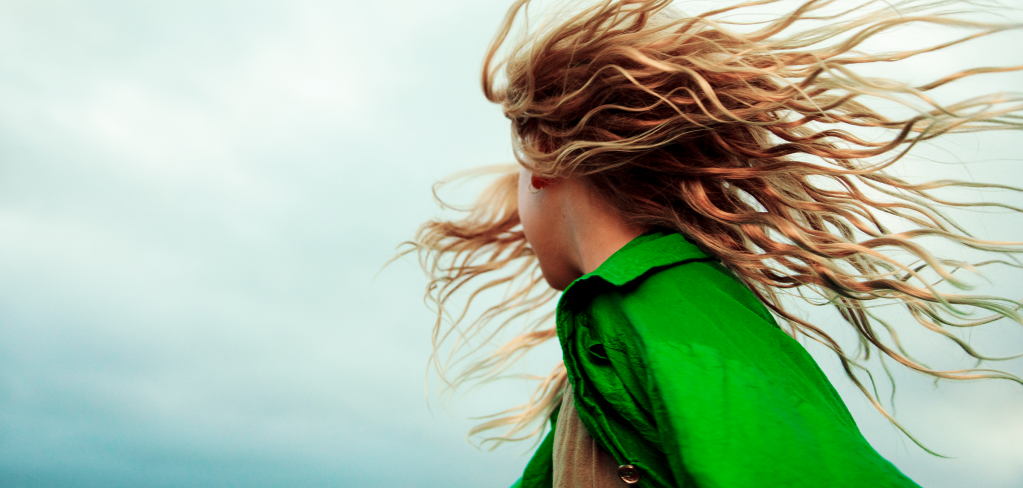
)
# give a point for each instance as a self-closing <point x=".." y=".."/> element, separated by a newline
<point x="538" y="182"/>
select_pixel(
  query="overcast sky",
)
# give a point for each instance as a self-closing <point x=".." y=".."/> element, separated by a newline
<point x="195" y="200"/>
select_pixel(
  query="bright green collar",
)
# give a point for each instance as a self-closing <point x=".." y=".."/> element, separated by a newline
<point x="646" y="252"/>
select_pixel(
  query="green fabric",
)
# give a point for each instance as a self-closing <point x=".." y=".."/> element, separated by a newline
<point x="679" y="370"/>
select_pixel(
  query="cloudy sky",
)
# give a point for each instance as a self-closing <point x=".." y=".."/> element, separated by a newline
<point x="196" y="198"/>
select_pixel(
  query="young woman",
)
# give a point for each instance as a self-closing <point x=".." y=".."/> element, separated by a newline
<point x="678" y="175"/>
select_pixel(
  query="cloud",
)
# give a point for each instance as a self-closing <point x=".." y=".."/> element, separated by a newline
<point x="195" y="201"/>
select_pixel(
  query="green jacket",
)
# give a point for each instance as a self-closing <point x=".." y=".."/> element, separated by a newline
<point x="680" y="371"/>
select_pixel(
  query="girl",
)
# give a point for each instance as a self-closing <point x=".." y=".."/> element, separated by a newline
<point x="680" y="174"/>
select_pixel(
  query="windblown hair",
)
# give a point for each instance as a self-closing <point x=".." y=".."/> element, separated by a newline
<point x="758" y="141"/>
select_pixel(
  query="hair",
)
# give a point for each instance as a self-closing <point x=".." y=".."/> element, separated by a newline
<point x="758" y="141"/>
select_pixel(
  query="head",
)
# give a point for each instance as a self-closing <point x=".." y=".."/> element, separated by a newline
<point x="662" y="115"/>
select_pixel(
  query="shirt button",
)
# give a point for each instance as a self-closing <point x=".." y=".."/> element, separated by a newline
<point x="629" y="474"/>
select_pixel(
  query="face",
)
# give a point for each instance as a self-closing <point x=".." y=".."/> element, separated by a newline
<point x="542" y="212"/>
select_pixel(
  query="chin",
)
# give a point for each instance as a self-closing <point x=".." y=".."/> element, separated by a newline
<point x="557" y="285"/>
<point x="557" y="282"/>
<point x="559" y="279"/>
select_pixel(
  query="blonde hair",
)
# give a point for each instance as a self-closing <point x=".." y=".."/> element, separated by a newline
<point x="756" y="140"/>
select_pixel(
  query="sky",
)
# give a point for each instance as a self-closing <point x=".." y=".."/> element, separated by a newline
<point x="197" y="199"/>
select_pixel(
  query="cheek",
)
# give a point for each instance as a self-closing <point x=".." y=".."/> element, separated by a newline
<point x="541" y="231"/>
<point x="531" y="215"/>
<point x="528" y="211"/>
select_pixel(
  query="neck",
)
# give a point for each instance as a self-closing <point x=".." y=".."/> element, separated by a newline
<point x="597" y="231"/>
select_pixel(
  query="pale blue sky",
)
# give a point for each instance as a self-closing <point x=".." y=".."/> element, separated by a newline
<point x="195" y="198"/>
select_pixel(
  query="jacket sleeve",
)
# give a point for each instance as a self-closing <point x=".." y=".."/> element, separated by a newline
<point x="735" y="401"/>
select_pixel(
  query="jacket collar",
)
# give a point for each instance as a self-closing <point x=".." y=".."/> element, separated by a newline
<point x="646" y="252"/>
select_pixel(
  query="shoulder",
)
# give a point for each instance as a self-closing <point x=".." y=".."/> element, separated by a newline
<point x="696" y="300"/>
<point x="701" y="286"/>
<point x="697" y="317"/>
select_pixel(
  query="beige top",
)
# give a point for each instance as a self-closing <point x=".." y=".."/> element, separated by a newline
<point x="578" y="461"/>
